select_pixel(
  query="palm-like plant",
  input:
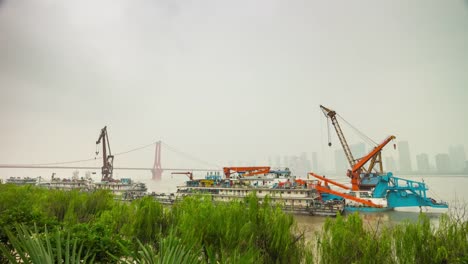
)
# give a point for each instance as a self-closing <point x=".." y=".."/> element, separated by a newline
<point x="171" y="250"/>
<point x="32" y="247"/>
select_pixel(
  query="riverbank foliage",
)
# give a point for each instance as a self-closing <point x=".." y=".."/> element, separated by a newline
<point x="55" y="224"/>
<point x="51" y="226"/>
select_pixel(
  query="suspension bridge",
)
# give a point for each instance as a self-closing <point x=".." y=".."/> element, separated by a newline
<point x="156" y="169"/>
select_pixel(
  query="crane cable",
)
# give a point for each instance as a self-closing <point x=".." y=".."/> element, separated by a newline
<point x="362" y="135"/>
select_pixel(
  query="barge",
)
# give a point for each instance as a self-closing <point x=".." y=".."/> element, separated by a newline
<point x="372" y="189"/>
<point x="292" y="194"/>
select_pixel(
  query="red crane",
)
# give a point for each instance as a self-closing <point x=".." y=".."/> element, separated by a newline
<point x="188" y="173"/>
<point x="375" y="156"/>
<point x="326" y="189"/>
<point x="245" y="171"/>
<point x="357" y="166"/>
<point x="329" y="181"/>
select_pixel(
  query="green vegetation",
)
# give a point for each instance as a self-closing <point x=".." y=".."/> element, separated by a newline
<point x="345" y="240"/>
<point x="42" y="226"/>
<point x="94" y="226"/>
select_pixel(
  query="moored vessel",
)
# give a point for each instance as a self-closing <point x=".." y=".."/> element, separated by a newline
<point x="21" y="180"/>
<point x="372" y="189"/>
<point x="124" y="188"/>
<point x="293" y="195"/>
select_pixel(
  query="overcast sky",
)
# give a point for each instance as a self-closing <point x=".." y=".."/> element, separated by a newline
<point x="228" y="80"/>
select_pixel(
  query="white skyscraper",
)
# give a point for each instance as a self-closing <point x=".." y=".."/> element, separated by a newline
<point x="457" y="158"/>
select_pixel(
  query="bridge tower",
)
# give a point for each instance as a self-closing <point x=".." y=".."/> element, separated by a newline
<point x="157" y="169"/>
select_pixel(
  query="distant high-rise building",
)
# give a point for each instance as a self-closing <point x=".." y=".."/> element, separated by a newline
<point x="286" y="161"/>
<point x="422" y="161"/>
<point x="341" y="163"/>
<point x="457" y="158"/>
<point x="389" y="164"/>
<point x="314" y="162"/>
<point x="443" y="163"/>
<point x="293" y="164"/>
<point x="303" y="165"/>
<point x="278" y="161"/>
<point x="404" y="156"/>
<point x="358" y="150"/>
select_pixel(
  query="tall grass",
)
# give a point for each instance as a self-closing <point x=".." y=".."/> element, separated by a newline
<point x="240" y="230"/>
<point x="345" y="240"/>
<point x="95" y="228"/>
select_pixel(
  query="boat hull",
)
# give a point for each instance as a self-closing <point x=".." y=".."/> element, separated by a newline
<point x="351" y="209"/>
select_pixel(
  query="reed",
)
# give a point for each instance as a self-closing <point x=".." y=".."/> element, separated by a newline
<point x="94" y="227"/>
<point x="243" y="229"/>
<point x="345" y="240"/>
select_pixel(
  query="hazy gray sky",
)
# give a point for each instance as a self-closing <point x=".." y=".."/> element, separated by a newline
<point x="228" y="80"/>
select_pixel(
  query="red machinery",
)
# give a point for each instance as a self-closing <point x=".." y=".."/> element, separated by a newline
<point x="188" y="173"/>
<point x="375" y="156"/>
<point x="245" y="171"/>
<point x="357" y="165"/>
<point x="326" y="189"/>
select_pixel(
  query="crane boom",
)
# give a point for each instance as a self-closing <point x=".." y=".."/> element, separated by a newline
<point x="347" y="196"/>
<point x="322" y="189"/>
<point x="374" y="155"/>
<point x="248" y="171"/>
<point x="107" y="160"/>
<point x="329" y="181"/>
<point x="332" y="115"/>
<point x="188" y="173"/>
<point x="357" y="166"/>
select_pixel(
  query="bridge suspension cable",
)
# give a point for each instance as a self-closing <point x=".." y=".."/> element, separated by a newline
<point x="188" y="156"/>
<point x="90" y="159"/>
<point x="135" y="149"/>
<point x="181" y="153"/>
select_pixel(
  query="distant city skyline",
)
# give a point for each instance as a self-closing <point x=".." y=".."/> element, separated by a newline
<point x="441" y="162"/>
